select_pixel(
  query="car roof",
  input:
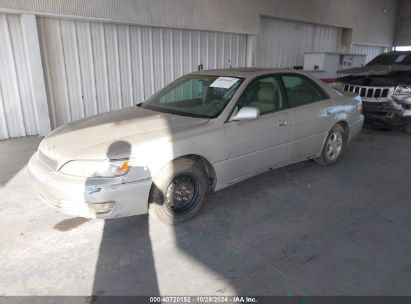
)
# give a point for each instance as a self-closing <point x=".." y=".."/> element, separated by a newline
<point x="241" y="72"/>
<point x="250" y="73"/>
<point x="397" y="53"/>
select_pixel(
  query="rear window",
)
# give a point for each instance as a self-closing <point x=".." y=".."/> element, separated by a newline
<point x="389" y="59"/>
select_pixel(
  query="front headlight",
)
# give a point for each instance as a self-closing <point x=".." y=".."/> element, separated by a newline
<point x="338" y="85"/>
<point x="402" y="90"/>
<point x="97" y="168"/>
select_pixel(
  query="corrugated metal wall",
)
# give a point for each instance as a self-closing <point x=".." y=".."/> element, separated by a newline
<point x="282" y="43"/>
<point x="369" y="50"/>
<point x="17" y="114"/>
<point x="94" y="67"/>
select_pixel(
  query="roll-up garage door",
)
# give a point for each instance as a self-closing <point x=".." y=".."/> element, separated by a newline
<point x="17" y="112"/>
<point x="282" y="43"/>
<point x="95" y="67"/>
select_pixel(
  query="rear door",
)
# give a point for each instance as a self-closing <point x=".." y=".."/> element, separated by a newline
<point x="312" y="114"/>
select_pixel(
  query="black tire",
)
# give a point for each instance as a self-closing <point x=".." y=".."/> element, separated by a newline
<point x="327" y="158"/>
<point x="407" y="128"/>
<point x="179" y="191"/>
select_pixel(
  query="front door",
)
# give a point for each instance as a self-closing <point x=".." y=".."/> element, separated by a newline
<point x="256" y="145"/>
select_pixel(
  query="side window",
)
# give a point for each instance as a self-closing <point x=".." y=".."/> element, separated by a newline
<point x="264" y="94"/>
<point x="301" y="91"/>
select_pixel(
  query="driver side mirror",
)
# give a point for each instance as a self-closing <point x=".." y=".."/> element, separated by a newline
<point x="246" y="113"/>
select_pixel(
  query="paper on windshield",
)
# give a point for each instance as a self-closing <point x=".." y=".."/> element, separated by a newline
<point x="224" y="82"/>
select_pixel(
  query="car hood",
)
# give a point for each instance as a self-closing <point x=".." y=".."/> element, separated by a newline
<point x="91" y="138"/>
<point x="375" y="70"/>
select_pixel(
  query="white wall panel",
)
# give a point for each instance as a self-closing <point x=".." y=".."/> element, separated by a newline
<point x="282" y="43"/>
<point x="369" y="50"/>
<point x="17" y="114"/>
<point x="94" y="67"/>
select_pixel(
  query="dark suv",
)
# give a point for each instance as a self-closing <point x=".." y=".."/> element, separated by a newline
<point x="384" y="85"/>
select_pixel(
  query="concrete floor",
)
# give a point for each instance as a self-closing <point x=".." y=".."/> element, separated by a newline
<point x="300" y="230"/>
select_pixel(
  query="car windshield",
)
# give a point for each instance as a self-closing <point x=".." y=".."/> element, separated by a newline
<point x="195" y="95"/>
<point x="389" y="59"/>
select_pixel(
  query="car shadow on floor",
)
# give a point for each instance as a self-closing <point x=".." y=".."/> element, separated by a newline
<point x="193" y="258"/>
<point x="299" y="230"/>
<point x="207" y="255"/>
<point x="125" y="265"/>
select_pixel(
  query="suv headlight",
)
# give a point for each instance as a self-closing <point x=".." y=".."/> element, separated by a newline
<point x="402" y="90"/>
<point x="338" y="85"/>
<point x="97" y="168"/>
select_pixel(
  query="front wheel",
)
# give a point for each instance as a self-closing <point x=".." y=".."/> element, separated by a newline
<point x="179" y="191"/>
<point x="333" y="147"/>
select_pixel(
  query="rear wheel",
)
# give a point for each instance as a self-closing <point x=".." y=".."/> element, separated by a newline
<point x="333" y="147"/>
<point x="179" y="191"/>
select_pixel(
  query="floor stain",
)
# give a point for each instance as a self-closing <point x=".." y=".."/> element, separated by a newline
<point x="70" y="224"/>
<point x="311" y="258"/>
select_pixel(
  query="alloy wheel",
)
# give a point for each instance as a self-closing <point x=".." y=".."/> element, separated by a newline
<point x="334" y="145"/>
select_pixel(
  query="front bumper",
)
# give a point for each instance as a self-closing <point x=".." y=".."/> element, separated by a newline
<point x="387" y="113"/>
<point x="78" y="196"/>
<point x="380" y="105"/>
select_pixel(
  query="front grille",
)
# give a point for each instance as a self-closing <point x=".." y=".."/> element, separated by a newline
<point x="370" y="93"/>
<point x="51" y="163"/>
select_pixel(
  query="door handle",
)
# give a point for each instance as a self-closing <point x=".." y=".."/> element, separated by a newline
<point x="282" y="123"/>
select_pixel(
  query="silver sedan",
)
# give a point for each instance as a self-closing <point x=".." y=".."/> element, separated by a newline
<point x="203" y="132"/>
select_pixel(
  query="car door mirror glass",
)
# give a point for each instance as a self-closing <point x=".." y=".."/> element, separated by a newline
<point x="246" y="113"/>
